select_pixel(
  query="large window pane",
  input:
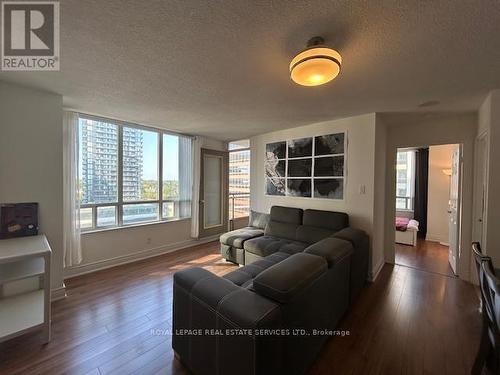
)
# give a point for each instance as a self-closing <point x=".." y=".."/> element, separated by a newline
<point x="239" y="183"/>
<point x="98" y="161"/>
<point x="170" y="167"/>
<point x="100" y="158"/>
<point x="140" y="165"/>
<point x="177" y="177"/>
<point x="137" y="213"/>
<point x="106" y="216"/>
<point x="405" y="179"/>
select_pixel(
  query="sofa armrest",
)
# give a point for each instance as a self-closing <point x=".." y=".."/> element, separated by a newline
<point x="333" y="250"/>
<point x="210" y="315"/>
<point x="360" y="257"/>
<point x="358" y="238"/>
<point x="283" y="281"/>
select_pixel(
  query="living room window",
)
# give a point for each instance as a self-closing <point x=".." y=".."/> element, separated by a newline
<point x="405" y="180"/>
<point x="131" y="174"/>
<point x="239" y="179"/>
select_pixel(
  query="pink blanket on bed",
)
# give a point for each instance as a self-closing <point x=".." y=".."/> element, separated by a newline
<point x="402" y="223"/>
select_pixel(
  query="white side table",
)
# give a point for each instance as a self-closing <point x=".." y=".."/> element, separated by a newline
<point x="22" y="258"/>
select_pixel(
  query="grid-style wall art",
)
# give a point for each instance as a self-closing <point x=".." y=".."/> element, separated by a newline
<point x="312" y="167"/>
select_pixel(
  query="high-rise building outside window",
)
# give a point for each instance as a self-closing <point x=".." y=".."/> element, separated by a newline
<point x="239" y="179"/>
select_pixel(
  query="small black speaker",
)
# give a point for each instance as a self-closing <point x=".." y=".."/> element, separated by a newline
<point x="18" y="220"/>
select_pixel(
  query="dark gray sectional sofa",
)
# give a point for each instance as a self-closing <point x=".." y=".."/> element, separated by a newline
<point x="273" y="315"/>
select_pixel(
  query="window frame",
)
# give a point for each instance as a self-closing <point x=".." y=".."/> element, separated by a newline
<point x="120" y="202"/>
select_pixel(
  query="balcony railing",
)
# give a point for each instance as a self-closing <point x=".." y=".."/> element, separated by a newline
<point x="239" y="206"/>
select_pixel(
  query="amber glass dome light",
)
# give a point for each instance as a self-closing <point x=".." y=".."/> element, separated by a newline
<point x="316" y="65"/>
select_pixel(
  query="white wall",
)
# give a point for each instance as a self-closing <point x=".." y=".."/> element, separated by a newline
<point x="379" y="199"/>
<point x="361" y="135"/>
<point x="439" y="193"/>
<point x="489" y="124"/>
<point x="418" y="130"/>
<point x="31" y="160"/>
<point x="107" y="248"/>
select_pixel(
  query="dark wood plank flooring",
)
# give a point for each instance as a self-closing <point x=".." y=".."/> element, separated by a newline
<point x="426" y="256"/>
<point x="116" y="321"/>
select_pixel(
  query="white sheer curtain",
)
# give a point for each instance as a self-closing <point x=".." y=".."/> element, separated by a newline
<point x="195" y="211"/>
<point x="185" y="175"/>
<point x="71" y="215"/>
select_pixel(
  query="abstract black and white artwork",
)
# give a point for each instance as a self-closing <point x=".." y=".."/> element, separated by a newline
<point x="298" y="187"/>
<point x="329" y="144"/>
<point x="313" y="167"/>
<point x="299" y="168"/>
<point x="275" y="168"/>
<point x="298" y="148"/>
<point x="276" y="150"/>
<point x="275" y="186"/>
<point x="330" y="188"/>
<point x="329" y="166"/>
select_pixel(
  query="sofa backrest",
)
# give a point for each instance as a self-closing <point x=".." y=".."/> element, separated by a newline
<point x="307" y="226"/>
<point x="330" y="220"/>
<point x="310" y="234"/>
<point x="319" y="224"/>
<point x="287" y="215"/>
<point x="283" y="222"/>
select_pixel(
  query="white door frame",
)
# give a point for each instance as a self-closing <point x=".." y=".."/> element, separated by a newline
<point x="389" y="232"/>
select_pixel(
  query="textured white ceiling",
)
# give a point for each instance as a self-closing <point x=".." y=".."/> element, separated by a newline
<point x="220" y="68"/>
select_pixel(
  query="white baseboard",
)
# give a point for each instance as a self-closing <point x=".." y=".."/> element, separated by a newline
<point x="58" y="293"/>
<point x="435" y="238"/>
<point x="374" y="273"/>
<point x="85" y="268"/>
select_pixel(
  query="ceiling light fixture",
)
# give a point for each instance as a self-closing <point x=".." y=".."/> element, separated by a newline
<point x="316" y="65"/>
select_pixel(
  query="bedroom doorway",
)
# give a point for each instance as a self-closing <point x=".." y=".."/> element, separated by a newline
<point x="428" y="200"/>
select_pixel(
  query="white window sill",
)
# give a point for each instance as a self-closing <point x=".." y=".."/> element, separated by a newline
<point x="132" y="226"/>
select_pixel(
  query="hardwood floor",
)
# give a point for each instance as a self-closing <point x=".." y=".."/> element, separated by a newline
<point x="426" y="256"/>
<point x="115" y="322"/>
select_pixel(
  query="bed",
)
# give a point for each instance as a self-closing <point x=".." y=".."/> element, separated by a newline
<point x="406" y="231"/>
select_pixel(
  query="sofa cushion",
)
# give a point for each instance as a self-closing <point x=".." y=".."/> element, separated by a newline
<point x="286" y="215"/>
<point x="285" y="280"/>
<point x="333" y="250"/>
<point x="266" y="245"/>
<point x="308" y="234"/>
<point x="258" y="219"/>
<point x="243" y="275"/>
<point x="282" y="230"/>
<point x="331" y="220"/>
<point x="237" y="237"/>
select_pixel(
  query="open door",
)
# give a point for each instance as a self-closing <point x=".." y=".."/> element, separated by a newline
<point x="213" y="192"/>
<point x="454" y="211"/>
